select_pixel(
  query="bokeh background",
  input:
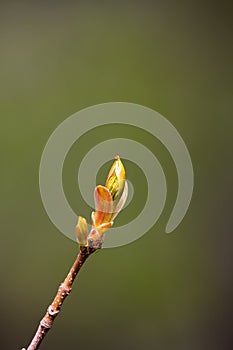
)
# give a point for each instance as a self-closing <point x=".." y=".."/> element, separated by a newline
<point x="162" y="291"/>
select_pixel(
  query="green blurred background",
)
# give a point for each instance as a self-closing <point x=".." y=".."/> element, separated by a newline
<point x="162" y="291"/>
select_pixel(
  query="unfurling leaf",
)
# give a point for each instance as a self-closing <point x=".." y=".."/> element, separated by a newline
<point x="121" y="202"/>
<point x="103" y="206"/>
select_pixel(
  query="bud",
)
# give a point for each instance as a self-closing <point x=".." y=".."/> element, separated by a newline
<point x="116" y="179"/>
<point x="109" y="200"/>
<point x="81" y="231"/>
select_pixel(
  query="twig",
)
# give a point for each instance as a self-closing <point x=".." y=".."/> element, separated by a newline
<point x="109" y="200"/>
<point x="63" y="291"/>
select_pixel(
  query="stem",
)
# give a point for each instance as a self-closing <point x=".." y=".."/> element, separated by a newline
<point x="63" y="291"/>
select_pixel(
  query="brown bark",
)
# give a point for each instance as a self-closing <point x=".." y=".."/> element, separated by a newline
<point x="63" y="291"/>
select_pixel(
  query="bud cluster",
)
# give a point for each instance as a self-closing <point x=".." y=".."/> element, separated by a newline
<point x="109" y="201"/>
